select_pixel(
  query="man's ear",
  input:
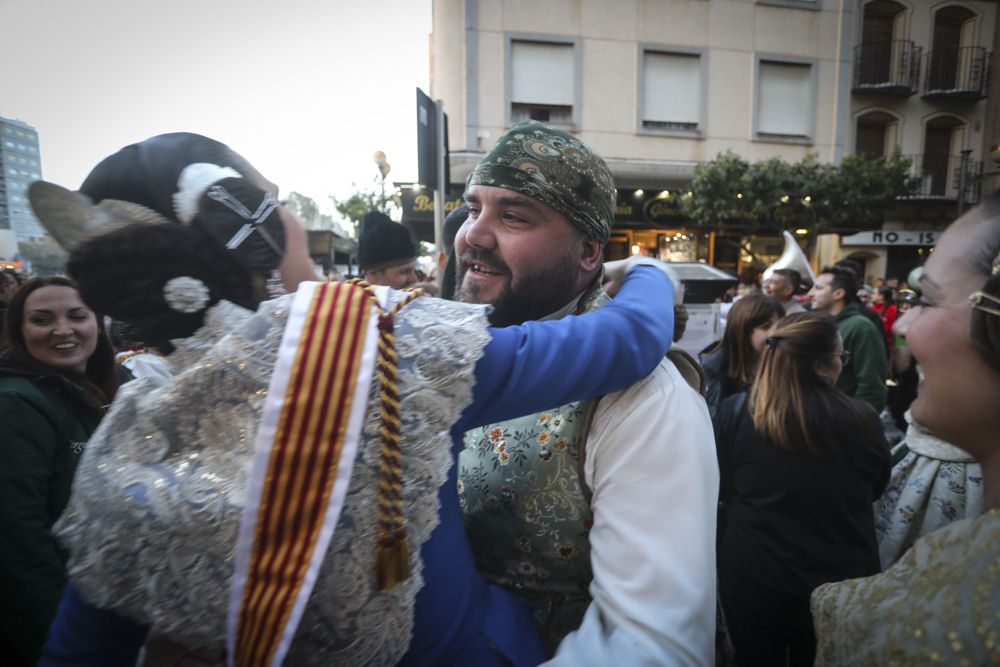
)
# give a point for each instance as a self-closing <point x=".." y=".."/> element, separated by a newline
<point x="839" y="294"/>
<point x="591" y="255"/>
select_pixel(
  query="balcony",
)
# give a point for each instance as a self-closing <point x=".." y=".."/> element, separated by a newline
<point x="887" y="68"/>
<point x="940" y="177"/>
<point x="959" y="74"/>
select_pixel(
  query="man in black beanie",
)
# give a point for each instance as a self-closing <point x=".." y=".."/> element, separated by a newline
<point x="387" y="254"/>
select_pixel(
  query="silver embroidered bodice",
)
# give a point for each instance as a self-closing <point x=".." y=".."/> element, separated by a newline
<point x="152" y="522"/>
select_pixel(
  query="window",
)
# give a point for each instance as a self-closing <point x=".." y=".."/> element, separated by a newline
<point x="542" y="82"/>
<point x="671" y="91"/>
<point x="785" y="100"/>
<point x="876" y="134"/>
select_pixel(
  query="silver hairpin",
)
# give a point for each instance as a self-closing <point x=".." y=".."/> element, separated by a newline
<point x="254" y="220"/>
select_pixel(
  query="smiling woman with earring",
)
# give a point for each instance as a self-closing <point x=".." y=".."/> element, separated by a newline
<point x="57" y="375"/>
<point x="800" y="465"/>
<point x="939" y="602"/>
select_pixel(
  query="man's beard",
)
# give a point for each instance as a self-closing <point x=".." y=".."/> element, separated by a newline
<point x="530" y="297"/>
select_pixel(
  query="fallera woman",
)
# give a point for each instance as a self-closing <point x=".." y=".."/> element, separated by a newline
<point x="940" y="602"/>
<point x="198" y="510"/>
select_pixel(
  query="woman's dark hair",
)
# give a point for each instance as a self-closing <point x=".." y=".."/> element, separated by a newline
<point x="888" y="294"/>
<point x="262" y="249"/>
<point x="791" y="403"/>
<point x="747" y="314"/>
<point x="984" y="260"/>
<point x="146" y="173"/>
<point x="18" y="278"/>
<point x="99" y="380"/>
<point x="234" y="240"/>
<point x="123" y="274"/>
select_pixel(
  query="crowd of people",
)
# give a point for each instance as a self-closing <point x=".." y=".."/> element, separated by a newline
<point x="211" y="456"/>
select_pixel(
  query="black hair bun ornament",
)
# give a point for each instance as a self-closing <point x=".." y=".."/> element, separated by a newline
<point x="186" y="294"/>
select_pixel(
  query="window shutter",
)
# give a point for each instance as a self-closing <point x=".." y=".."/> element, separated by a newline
<point x="671" y="88"/>
<point x="542" y="73"/>
<point x="784" y="104"/>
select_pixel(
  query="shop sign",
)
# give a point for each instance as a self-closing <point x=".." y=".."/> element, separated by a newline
<point x="655" y="211"/>
<point x="893" y="237"/>
<point x="419" y="204"/>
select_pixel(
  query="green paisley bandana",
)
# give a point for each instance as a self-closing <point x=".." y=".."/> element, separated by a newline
<point x="556" y="169"/>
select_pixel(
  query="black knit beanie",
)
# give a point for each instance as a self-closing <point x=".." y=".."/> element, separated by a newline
<point x="383" y="243"/>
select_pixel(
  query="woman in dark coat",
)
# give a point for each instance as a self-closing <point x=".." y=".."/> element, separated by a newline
<point x="55" y="379"/>
<point x="729" y="363"/>
<point x="800" y="465"/>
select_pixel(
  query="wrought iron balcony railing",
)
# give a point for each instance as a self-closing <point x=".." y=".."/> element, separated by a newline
<point x="941" y="177"/>
<point x="890" y="67"/>
<point x="960" y="73"/>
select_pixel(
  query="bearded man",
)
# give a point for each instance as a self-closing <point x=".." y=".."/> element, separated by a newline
<point x="600" y="515"/>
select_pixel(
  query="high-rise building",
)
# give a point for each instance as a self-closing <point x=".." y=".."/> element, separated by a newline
<point x="20" y="164"/>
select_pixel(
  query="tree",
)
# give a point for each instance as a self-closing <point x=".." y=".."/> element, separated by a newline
<point x="355" y="206"/>
<point x="45" y="256"/>
<point x="774" y="194"/>
<point x="307" y="210"/>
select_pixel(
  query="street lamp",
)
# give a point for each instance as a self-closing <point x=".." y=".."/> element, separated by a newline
<point x="383" y="169"/>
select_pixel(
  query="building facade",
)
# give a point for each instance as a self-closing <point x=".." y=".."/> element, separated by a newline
<point x="658" y="86"/>
<point x="20" y="164"/>
<point x="919" y="85"/>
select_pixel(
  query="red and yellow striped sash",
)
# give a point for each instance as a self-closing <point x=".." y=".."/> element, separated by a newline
<point x="293" y="501"/>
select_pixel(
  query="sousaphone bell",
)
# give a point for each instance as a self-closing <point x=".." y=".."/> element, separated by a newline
<point x="792" y="257"/>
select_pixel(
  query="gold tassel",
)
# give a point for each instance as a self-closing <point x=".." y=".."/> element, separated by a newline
<point x="392" y="556"/>
<point x="392" y="563"/>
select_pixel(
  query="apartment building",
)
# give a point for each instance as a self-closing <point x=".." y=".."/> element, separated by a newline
<point x="919" y="85"/>
<point x="658" y="86"/>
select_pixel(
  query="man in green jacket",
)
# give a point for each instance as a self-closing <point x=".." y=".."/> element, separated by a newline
<point x="863" y="377"/>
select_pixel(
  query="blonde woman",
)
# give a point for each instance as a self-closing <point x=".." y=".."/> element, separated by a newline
<point x="800" y="463"/>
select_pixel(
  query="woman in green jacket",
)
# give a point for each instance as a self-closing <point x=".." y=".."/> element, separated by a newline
<point x="57" y="375"/>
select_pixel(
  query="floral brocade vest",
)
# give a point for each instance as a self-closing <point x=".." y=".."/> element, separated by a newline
<point x="525" y="511"/>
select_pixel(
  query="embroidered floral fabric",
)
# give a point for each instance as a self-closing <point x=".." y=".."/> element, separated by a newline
<point x="156" y="506"/>
<point x="937" y="605"/>
<point x="935" y="484"/>
<point x="525" y="511"/>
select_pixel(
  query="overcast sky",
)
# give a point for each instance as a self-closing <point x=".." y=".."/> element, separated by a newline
<point x="306" y="90"/>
